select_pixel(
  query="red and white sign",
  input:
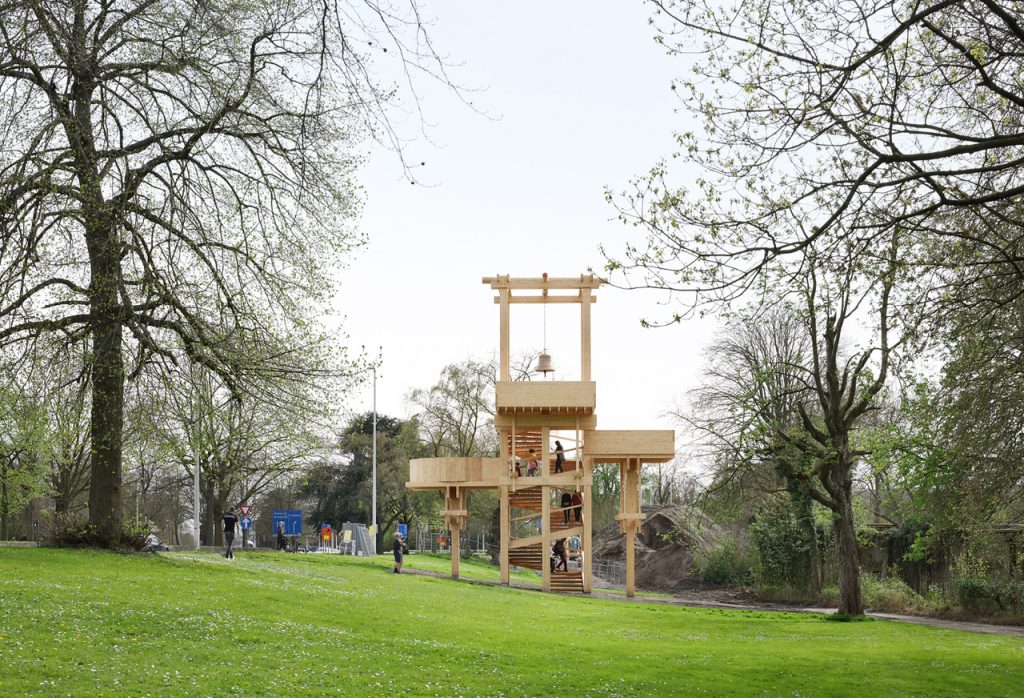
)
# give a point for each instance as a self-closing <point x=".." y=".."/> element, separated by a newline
<point x="246" y="509"/>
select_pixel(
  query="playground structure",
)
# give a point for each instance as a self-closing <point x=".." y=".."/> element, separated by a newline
<point x="530" y="416"/>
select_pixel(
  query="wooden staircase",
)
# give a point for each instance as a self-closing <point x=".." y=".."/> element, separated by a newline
<point x="532" y="556"/>
<point x="529" y="556"/>
<point x="571" y="581"/>
<point x="526" y="498"/>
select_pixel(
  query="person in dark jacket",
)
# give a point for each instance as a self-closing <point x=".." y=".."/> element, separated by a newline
<point x="577" y="503"/>
<point x="559" y="456"/>
<point x="282" y="542"/>
<point x="559" y="551"/>
<point x="230" y="524"/>
<point x="566" y="503"/>
<point x="400" y="548"/>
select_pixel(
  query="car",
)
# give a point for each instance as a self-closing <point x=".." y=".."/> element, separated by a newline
<point x="154" y="544"/>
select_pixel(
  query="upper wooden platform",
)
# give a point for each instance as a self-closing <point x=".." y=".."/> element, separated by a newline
<point x="648" y="445"/>
<point x="545" y="397"/>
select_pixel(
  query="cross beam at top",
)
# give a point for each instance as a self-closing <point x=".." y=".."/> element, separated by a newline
<point x="544" y="283"/>
<point x="584" y="285"/>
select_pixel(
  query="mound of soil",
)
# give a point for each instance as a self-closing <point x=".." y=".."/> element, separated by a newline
<point x="666" y="543"/>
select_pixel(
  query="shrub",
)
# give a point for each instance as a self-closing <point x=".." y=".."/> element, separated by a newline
<point x="73" y="530"/>
<point x="785" y="539"/>
<point x="68" y="530"/>
<point x="888" y="595"/>
<point x="723" y="565"/>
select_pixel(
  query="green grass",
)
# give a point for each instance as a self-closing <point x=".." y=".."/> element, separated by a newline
<point x="93" y="624"/>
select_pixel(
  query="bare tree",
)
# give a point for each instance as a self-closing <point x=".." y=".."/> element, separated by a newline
<point x="173" y="181"/>
<point x="832" y="121"/>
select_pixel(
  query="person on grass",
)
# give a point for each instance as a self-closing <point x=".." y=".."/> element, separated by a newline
<point x="399" y="549"/>
<point x="230" y="524"/>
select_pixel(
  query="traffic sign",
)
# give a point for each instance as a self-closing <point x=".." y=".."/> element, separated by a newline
<point x="291" y="518"/>
<point x="245" y="522"/>
<point x="246" y="509"/>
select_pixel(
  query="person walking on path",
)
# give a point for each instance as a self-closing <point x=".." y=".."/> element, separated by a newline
<point x="230" y="524"/>
<point x="577" y="503"/>
<point x="282" y="542"/>
<point x="559" y="457"/>
<point x="400" y="548"/>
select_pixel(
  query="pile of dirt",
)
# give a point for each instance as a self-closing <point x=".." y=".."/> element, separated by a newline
<point x="666" y="543"/>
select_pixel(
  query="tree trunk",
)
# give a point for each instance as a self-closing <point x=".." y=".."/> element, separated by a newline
<point x="850" y="601"/>
<point x="3" y="504"/>
<point x="107" y="426"/>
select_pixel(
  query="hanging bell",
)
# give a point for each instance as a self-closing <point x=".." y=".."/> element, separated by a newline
<point x="544" y="364"/>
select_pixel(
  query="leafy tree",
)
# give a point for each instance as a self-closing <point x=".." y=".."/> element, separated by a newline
<point x="456" y="414"/>
<point x="173" y="182"/>
<point x="832" y="122"/>
<point x="23" y="450"/>
<point x="340" y="489"/>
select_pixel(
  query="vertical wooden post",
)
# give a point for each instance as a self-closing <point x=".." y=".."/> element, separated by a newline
<point x="588" y="530"/>
<point x="504" y="532"/>
<point x="545" y="545"/>
<point x="503" y="338"/>
<point x="585" y="334"/>
<point x="456" y="545"/>
<point x="630" y="560"/>
<point x="545" y="451"/>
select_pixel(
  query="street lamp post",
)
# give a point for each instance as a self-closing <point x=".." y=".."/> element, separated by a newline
<point x="195" y="491"/>
<point x="373" y="472"/>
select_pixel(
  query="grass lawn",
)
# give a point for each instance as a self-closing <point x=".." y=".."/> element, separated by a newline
<point x="94" y="623"/>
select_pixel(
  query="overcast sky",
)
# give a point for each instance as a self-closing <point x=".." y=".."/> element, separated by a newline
<point x="577" y="99"/>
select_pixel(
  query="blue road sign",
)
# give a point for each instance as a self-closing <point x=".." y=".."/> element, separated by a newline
<point x="404" y="530"/>
<point x="291" y="518"/>
<point x="245" y="522"/>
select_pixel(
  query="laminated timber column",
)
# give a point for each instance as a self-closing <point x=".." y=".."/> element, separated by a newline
<point x="455" y="514"/>
<point x="584" y="333"/>
<point x="503" y="338"/>
<point x="588" y="531"/>
<point x="630" y="516"/>
<point x="545" y="451"/>
<point x="504" y="523"/>
<point x="545" y="545"/>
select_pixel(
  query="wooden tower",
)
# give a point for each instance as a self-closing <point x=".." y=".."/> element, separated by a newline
<point x="530" y="416"/>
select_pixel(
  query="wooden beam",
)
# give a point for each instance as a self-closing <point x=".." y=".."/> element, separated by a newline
<point x="515" y="300"/>
<point x="545" y="547"/>
<point x="504" y="343"/>
<point x="539" y="283"/>
<point x="588" y="534"/>
<point x="504" y="526"/>
<point x="585" y="335"/>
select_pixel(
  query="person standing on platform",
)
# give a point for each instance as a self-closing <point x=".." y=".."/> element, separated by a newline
<point x="577" y="503"/>
<point x="230" y="524"/>
<point x="559" y="456"/>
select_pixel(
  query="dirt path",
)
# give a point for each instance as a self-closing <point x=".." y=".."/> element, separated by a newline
<point x="697" y="601"/>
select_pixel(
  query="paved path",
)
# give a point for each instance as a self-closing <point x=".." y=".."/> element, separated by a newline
<point x="1009" y="630"/>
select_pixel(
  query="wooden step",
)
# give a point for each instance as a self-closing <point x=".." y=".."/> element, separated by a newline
<point x="571" y="581"/>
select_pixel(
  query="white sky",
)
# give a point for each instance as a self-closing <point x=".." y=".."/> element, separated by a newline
<point x="579" y="99"/>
